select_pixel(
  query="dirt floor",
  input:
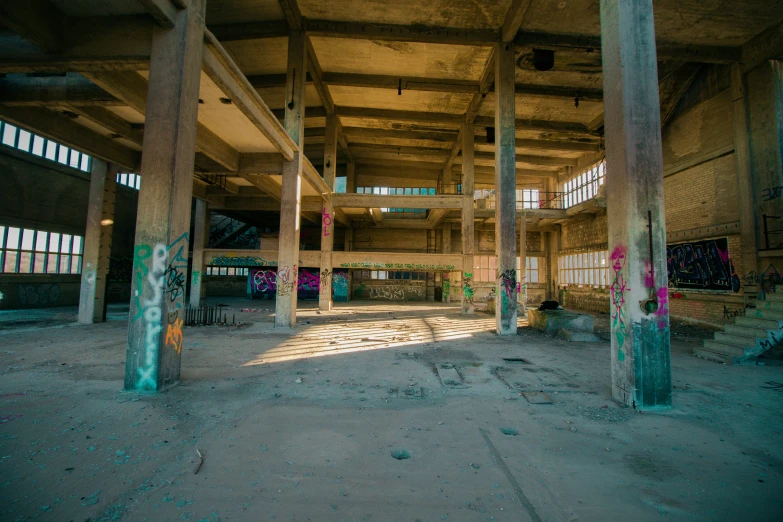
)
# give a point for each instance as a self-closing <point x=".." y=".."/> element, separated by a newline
<point x="374" y="412"/>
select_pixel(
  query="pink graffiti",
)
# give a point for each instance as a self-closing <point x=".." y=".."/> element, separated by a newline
<point x="327" y="221"/>
<point x="618" y="257"/>
<point x="618" y="290"/>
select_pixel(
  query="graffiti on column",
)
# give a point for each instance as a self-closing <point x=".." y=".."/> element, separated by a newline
<point x="618" y="290"/>
<point x="508" y="283"/>
<point x="327" y="221"/>
<point x="702" y="264"/>
<point x="326" y="278"/>
<point x="446" y="288"/>
<point x="467" y="288"/>
<point x="159" y="271"/>
<point x="661" y="295"/>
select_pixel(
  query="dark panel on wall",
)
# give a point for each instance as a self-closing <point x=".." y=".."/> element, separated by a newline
<point x="703" y="265"/>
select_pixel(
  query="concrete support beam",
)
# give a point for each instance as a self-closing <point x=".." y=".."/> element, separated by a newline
<point x="468" y="189"/>
<point x="37" y="21"/>
<point x="97" y="242"/>
<point x="155" y="334"/>
<point x="328" y="215"/>
<point x="746" y="195"/>
<point x="641" y="368"/>
<point x="198" y="289"/>
<point x="288" y="259"/>
<point x="376" y="200"/>
<point x="505" y="186"/>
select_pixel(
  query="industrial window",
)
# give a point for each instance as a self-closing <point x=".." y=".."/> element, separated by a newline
<point x="485" y="269"/>
<point x="525" y="198"/>
<point x="226" y="271"/>
<point x="391" y="274"/>
<point x="395" y="191"/>
<point x="585" y="268"/>
<point x="129" y="180"/>
<point x="584" y="185"/>
<point x="21" y="139"/>
<point x="29" y="251"/>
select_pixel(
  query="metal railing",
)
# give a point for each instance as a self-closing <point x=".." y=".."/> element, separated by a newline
<point x="542" y="200"/>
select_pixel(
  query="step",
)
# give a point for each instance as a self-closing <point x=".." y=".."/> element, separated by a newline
<point x="726" y="348"/>
<point x="713" y="356"/>
<point x="763" y="313"/>
<point x="755" y="322"/>
<point x="745" y="331"/>
<point x="739" y="340"/>
<point x="774" y="296"/>
<point x="768" y="305"/>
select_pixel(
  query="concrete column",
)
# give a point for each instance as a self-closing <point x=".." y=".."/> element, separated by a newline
<point x="290" y="195"/>
<point x="445" y="276"/>
<point x="327" y="215"/>
<point x="765" y="113"/>
<point x="641" y="367"/>
<point x="97" y="242"/>
<point x="522" y="264"/>
<point x="747" y="203"/>
<point x="161" y="253"/>
<point x="468" y="172"/>
<point x="200" y="242"/>
<point x="350" y="177"/>
<point x="505" y="185"/>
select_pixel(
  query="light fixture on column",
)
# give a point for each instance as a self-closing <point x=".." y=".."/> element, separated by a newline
<point x="576" y="100"/>
<point x="543" y="59"/>
<point x="107" y="222"/>
<point x="399" y="88"/>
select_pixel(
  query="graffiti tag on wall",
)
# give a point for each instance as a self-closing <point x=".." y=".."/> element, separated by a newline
<point x="618" y="290"/>
<point x="40" y="295"/>
<point x="264" y="284"/>
<point x="702" y="264"/>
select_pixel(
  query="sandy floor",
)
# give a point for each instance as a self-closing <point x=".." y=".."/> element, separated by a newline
<point x="305" y="425"/>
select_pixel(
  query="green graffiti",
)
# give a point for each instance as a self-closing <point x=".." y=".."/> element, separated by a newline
<point x="240" y="261"/>
<point x="620" y="355"/>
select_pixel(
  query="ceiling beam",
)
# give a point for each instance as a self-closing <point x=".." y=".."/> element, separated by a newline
<point x="765" y="46"/>
<point x="387" y="114"/>
<point x="220" y="67"/>
<point x="264" y="183"/>
<point x="163" y="11"/>
<point x="665" y="50"/>
<point x="541" y="125"/>
<point x="119" y="127"/>
<point x="514" y="18"/>
<point x="64" y="130"/>
<point x="18" y="89"/>
<point x="250" y="31"/>
<point x="488" y="159"/>
<point x="400" y="33"/>
<point x="37" y="21"/>
<point x="132" y="89"/>
<point x="292" y="14"/>
<point x="673" y="87"/>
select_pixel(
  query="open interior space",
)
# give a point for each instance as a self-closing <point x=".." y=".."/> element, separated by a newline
<point x="362" y="260"/>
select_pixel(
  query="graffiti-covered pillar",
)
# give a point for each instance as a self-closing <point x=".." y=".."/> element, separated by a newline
<point x="97" y="242"/>
<point x="641" y="369"/>
<point x="506" y="191"/>
<point x="163" y="219"/>
<point x="200" y="242"/>
<point x="327" y="215"/>
<point x="290" y="195"/>
<point x="468" y="176"/>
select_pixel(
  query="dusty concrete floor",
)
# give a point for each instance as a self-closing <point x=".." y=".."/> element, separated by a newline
<point x="302" y="426"/>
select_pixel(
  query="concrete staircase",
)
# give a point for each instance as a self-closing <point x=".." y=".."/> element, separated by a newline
<point x="757" y="331"/>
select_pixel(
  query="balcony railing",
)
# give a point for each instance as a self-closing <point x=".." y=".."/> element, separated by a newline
<point x="538" y="200"/>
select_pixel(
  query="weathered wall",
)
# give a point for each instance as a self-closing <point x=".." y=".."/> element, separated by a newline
<point x="388" y="290"/>
<point x="38" y="193"/>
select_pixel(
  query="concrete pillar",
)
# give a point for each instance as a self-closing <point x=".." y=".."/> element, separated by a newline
<point x="200" y="242"/>
<point x="641" y="367"/>
<point x="97" y="242"/>
<point x="160" y="261"/>
<point x="348" y="246"/>
<point x="745" y="195"/>
<point x="468" y="172"/>
<point x="505" y="185"/>
<point x="445" y="276"/>
<point x="350" y="177"/>
<point x="765" y="112"/>
<point x="290" y="195"/>
<point x="522" y="264"/>
<point x="327" y="215"/>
